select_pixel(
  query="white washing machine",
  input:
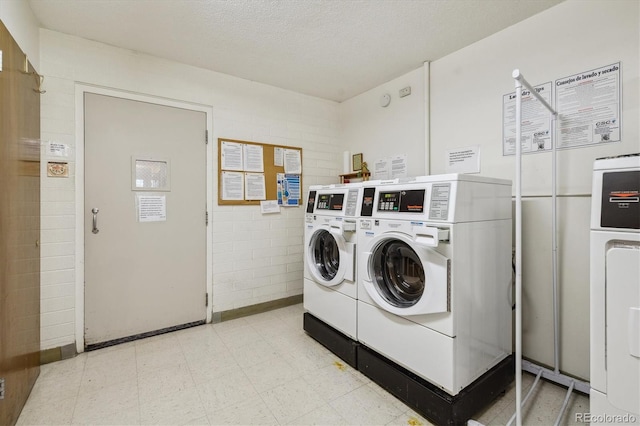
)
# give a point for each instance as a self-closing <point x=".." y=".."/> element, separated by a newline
<point x="434" y="277"/>
<point x="330" y="289"/>
<point x="615" y="291"/>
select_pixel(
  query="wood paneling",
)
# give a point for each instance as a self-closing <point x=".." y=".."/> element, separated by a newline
<point x="19" y="229"/>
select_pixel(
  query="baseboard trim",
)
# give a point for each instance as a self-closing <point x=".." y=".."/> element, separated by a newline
<point x="57" y="354"/>
<point x="259" y="308"/>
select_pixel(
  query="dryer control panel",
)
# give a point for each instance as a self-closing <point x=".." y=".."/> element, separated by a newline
<point x="620" y="206"/>
<point x="615" y="196"/>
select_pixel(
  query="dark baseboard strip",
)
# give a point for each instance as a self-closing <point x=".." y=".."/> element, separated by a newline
<point x="58" y="354"/>
<point x="255" y="309"/>
<point x="94" y="346"/>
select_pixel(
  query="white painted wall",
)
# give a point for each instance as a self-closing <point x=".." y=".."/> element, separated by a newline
<point x="397" y="129"/>
<point x="255" y="258"/>
<point x="466" y="108"/>
<point x="23" y="26"/>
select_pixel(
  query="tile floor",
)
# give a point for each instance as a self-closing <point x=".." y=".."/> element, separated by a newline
<point x="261" y="369"/>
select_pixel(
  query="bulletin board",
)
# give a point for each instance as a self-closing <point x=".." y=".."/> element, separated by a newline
<point x="270" y="170"/>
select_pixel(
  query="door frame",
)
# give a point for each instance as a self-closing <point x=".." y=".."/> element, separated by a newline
<point x="80" y="90"/>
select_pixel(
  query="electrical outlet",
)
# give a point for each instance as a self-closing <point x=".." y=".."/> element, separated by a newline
<point x="406" y="91"/>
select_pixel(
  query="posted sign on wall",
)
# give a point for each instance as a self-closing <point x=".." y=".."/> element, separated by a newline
<point x="152" y="208"/>
<point x="588" y="106"/>
<point x="536" y="121"/>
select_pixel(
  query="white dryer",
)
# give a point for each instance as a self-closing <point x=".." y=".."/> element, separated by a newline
<point x="330" y="289"/>
<point x="434" y="277"/>
<point x="615" y="291"/>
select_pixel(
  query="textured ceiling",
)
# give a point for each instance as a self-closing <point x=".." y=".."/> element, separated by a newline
<point x="332" y="49"/>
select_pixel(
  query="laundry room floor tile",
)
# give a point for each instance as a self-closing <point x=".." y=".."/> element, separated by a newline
<point x="410" y="418"/>
<point x="252" y="411"/>
<point x="225" y="391"/>
<point x="164" y="383"/>
<point x="365" y="406"/>
<point x="291" y="400"/>
<point x="177" y="408"/>
<point x="113" y="404"/>
<point x="325" y="415"/>
<point x="51" y="412"/>
<point x="334" y="381"/>
<point x="258" y="370"/>
<point x="270" y="374"/>
<point x="254" y="353"/>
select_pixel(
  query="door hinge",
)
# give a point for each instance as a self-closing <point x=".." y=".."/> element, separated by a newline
<point x="206" y="137"/>
<point x="206" y="299"/>
<point x="206" y="218"/>
<point x="1" y="388"/>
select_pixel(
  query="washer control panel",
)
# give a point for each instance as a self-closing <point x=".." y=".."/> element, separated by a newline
<point x="409" y="201"/>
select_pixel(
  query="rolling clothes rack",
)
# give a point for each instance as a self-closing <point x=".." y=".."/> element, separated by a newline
<point x="555" y="375"/>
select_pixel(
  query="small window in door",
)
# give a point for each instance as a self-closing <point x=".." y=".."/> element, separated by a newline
<point x="149" y="174"/>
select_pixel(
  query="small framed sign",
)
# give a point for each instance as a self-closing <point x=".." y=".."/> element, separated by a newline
<point x="357" y="162"/>
<point x="56" y="169"/>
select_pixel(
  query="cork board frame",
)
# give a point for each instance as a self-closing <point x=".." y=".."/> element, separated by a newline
<point x="270" y="172"/>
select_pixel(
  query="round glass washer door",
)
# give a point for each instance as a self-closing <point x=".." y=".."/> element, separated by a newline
<point x="405" y="277"/>
<point x="397" y="273"/>
<point x="324" y="255"/>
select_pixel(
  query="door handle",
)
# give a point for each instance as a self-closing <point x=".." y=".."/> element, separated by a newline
<point x="95" y="220"/>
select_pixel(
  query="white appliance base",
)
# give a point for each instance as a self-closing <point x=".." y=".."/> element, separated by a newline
<point x="332" y="307"/>
<point x="451" y="363"/>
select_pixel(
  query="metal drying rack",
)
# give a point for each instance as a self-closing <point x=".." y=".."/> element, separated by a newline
<point x="551" y="375"/>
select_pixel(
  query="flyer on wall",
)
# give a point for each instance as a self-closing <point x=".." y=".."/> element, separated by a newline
<point x="536" y="122"/>
<point x="254" y="186"/>
<point x="588" y="105"/>
<point x="231" y="156"/>
<point x="288" y="189"/>
<point x="232" y="186"/>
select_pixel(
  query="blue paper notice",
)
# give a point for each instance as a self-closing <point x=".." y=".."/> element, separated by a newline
<point x="288" y="190"/>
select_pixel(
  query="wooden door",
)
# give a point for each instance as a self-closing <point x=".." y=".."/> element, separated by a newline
<point x="19" y="229"/>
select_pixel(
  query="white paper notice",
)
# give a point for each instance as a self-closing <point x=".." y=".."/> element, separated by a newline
<point x="292" y="161"/>
<point x="536" y="122"/>
<point x="253" y="158"/>
<point x="231" y="156"/>
<point x="152" y="208"/>
<point x="270" y="206"/>
<point x="254" y="186"/>
<point x="399" y="166"/>
<point x="56" y="149"/>
<point x="381" y="168"/>
<point x="588" y="106"/>
<point x="278" y="156"/>
<point x="232" y="186"/>
<point x="464" y="160"/>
